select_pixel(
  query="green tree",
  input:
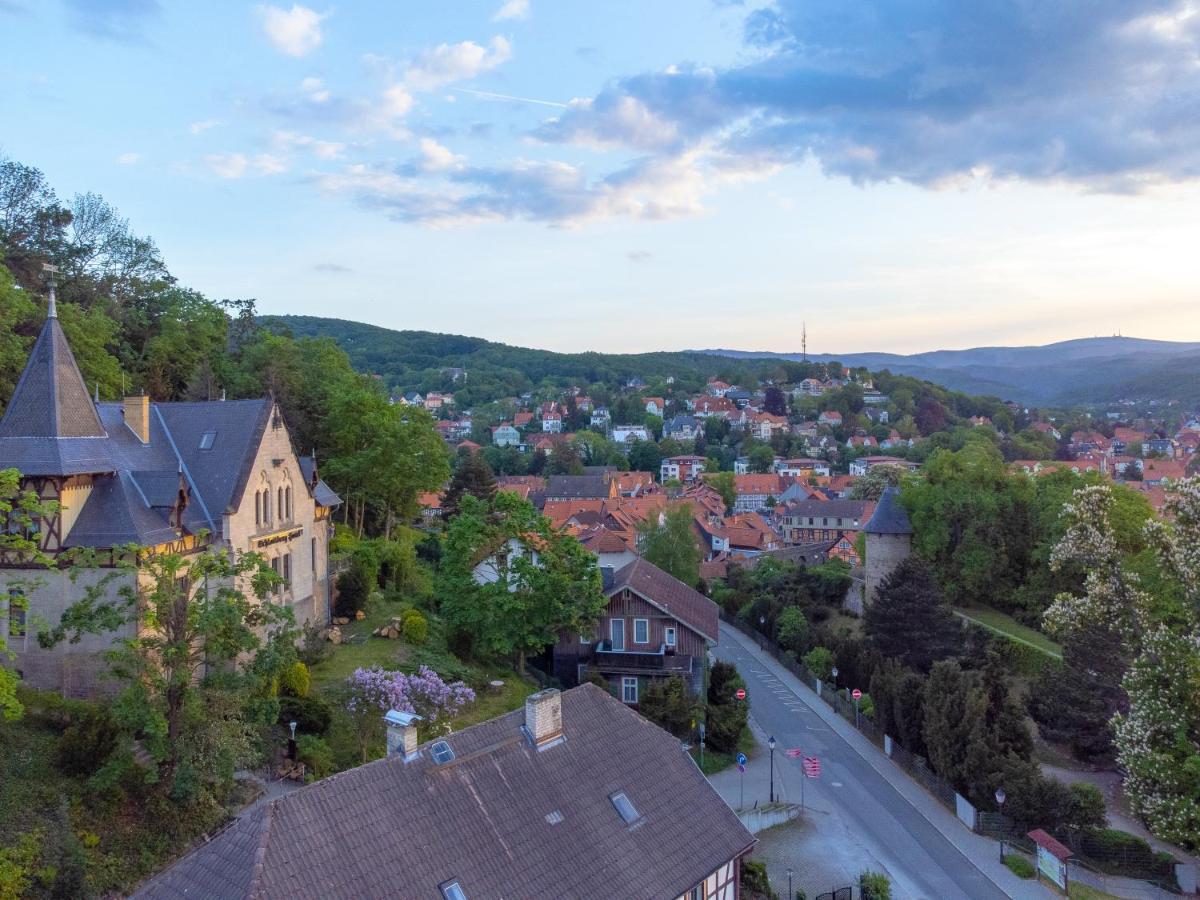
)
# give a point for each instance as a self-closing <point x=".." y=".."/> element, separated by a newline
<point x="791" y="630"/>
<point x="725" y="716"/>
<point x="899" y="704"/>
<point x="472" y="476"/>
<point x="671" y="544"/>
<point x="878" y="478"/>
<point x="762" y="458"/>
<point x="190" y="619"/>
<point x="512" y="581"/>
<point x="954" y="731"/>
<point x="908" y="619"/>
<point x="670" y="704"/>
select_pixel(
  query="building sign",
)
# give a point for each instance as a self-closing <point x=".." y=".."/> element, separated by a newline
<point x="278" y="537"/>
<point x="1052" y="867"/>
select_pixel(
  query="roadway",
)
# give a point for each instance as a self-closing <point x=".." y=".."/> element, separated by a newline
<point x="896" y="828"/>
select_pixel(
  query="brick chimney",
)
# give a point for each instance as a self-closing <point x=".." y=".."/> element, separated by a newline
<point x="401" y="733"/>
<point x="543" y="718"/>
<point x="137" y="416"/>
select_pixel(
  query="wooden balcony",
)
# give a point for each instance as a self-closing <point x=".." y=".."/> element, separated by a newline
<point x="607" y="659"/>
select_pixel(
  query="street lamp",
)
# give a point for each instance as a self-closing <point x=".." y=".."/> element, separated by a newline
<point x="791" y="896"/>
<point x="771" y="747"/>
<point x="1000" y="798"/>
<point x="833" y="675"/>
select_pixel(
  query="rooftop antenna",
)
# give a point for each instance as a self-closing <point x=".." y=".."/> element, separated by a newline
<point x="804" y="341"/>
<point x="51" y="271"/>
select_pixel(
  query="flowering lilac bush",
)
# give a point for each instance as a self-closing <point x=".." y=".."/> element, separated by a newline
<point x="424" y="693"/>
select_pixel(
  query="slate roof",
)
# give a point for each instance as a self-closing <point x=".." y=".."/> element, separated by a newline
<point x="889" y="517"/>
<point x="502" y="819"/>
<point x="51" y="400"/>
<point x="841" y="509"/>
<point x="670" y="594"/>
<point x="52" y="427"/>
<point x="577" y="487"/>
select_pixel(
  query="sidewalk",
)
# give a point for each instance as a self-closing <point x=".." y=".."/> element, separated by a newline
<point x="983" y="852"/>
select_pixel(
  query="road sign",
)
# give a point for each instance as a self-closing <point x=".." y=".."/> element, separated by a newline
<point x="741" y="759"/>
<point x="856" y="694"/>
<point x="741" y="694"/>
<point x="812" y="766"/>
<point x="795" y="753"/>
<point x="742" y="768"/>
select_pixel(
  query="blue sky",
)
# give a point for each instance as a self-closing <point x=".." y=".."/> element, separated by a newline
<point x="629" y="176"/>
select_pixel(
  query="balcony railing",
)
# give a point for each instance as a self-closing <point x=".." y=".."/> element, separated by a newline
<point x="608" y="658"/>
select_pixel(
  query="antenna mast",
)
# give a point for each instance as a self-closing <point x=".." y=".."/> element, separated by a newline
<point x="52" y="306"/>
<point x="804" y="341"/>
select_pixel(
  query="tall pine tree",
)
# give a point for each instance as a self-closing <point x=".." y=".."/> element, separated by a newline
<point x="909" y="619"/>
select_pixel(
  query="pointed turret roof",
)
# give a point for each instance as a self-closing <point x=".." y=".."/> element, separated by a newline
<point x="889" y="517"/>
<point x="51" y="400"/>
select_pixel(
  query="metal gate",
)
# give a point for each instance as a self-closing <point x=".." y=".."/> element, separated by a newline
<point x="846" y="893"/>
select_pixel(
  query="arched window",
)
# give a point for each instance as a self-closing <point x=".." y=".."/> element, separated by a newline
<point x="258" y="507"/>
<point x="288" y="497"/>
<point x="279" y="502"/>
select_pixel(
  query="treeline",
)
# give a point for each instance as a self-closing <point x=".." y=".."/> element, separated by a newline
<point x="134" y="328"/>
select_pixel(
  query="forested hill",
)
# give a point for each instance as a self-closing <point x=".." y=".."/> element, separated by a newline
<point x="417" y="360"/>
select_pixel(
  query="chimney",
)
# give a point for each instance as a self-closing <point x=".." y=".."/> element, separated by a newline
<point x="137" y="416"/>
<point x="401" y="734"/>
<point x="543" y="718"/>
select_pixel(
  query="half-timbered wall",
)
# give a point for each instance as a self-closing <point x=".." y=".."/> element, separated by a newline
<point x="719" y="885"/>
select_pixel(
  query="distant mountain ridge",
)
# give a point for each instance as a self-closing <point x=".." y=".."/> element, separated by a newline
<point x="1087" y="370"/>
<point x="1083" y="370"/>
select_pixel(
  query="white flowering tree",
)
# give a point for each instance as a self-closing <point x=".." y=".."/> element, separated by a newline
<point x="1158" y="740"/>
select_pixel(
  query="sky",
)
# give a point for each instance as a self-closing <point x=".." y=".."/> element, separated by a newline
<point x="893" y="175"/>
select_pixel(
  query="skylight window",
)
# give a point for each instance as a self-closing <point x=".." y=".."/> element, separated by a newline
<point x="452" y="890"/>
<point x="441" y="753"/>
<point x="624" y="807"/>
<point x="207" y="439"/>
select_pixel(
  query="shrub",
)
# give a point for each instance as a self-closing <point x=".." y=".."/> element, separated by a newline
<point x="315" y="754"/>
<point x="87" y="742"/>
<point x="314" y="648"/>
<point x="295" y="681"/>
<point x="754" y="881"/>
<point x="670" y="705"/>
<point x="353" y="590"/>
<point x="819" y="661"/>
<point x="414" y="627"/>
<point x="791" y="630"/>
<point x="874" y="886"/>
<point x="1121" y="853"/>
<point x="312" y="715"/>
<point x="1019" y="865"/>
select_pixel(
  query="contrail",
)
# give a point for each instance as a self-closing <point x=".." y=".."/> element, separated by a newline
<point x="488" y="95"/>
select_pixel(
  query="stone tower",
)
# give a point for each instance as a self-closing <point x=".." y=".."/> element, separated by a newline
<point x="888" y="540"/>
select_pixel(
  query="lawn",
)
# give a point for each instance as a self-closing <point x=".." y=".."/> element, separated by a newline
<point x="998" y="623"/>
<point x="715" y="761"/>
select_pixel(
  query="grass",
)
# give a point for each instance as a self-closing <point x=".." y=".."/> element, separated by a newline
<point x="1077" y="891"/>
<point x="998" y="623"/>
<point x="1019" y="865"/>
<point x="715" y="761"/>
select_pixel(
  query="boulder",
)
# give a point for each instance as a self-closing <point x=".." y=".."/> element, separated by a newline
<point x="360" y="615"/>
<point x="341" y="620"/>
<point x="335" y="636"/>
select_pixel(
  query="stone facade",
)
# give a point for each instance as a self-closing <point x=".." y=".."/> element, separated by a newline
<point x="884" y="553"/>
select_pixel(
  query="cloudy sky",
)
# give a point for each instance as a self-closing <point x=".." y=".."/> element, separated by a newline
<point x="626" y="176"/>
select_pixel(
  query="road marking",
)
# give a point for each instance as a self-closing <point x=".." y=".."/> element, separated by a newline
<point x="836" y="784"/>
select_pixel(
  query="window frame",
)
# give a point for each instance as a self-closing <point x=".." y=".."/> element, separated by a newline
<point x="628" y="682"/>
<point x="14" y="612"/>
<point x="671" y="636"/>
<point x="642" y="623"/>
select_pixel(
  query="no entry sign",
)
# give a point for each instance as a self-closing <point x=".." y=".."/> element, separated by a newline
<point x="741" y="694"/>
<point x="856" y="694"/>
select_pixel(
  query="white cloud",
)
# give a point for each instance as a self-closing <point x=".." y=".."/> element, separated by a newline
<point x="203" y="125"/>
<point x="315" y="90"/>
<point x="436" y="158"/>
<point x="238" y="165"/>
<point x="295" y="31"/>
<point x="289" y="140"/>
<point x="513" y="9"/>
<point x="129" y="159"/>
<point x="447" y="63"/>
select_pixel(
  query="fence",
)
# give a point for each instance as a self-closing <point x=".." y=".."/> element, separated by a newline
<point x="1156" y="871"/>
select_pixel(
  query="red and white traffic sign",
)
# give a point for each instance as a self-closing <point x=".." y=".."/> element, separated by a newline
<point x="812" y="766"/>
<point x="856" y="694"/>
<point x="741" y="693"/>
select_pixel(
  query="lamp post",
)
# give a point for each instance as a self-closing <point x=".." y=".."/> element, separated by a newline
<point x="791" y="896"/>
<point x="771" y="747"/>
<point x="1000" y="798"/>
<point x="833" y="675"/>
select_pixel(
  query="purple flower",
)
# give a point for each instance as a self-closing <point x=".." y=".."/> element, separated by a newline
<point x="424" y="693"/>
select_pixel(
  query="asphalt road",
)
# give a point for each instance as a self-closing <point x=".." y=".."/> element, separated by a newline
<point x="913" y="849"/>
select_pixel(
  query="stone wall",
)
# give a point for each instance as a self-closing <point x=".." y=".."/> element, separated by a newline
<point x="884" y="553"/>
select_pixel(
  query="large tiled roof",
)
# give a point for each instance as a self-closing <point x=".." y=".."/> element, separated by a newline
<point x="577" y="487"/>
<point x="670" y="594"/>
<point x="502" y="819"/>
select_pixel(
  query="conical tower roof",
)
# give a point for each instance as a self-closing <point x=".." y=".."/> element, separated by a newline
<point x="51" y="399"/>
<point x="889" y="516"/>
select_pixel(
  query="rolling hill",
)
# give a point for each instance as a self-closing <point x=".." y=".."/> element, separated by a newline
<point x="1084" y="371"/>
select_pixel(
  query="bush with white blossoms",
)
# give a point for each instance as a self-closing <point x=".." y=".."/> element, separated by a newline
<point x="1158" y="740"/>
